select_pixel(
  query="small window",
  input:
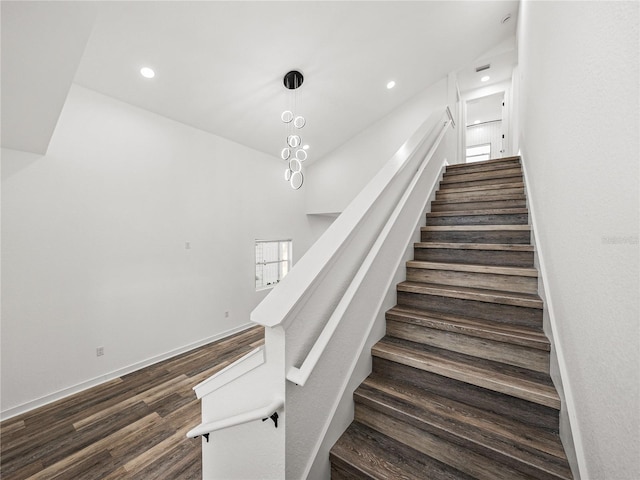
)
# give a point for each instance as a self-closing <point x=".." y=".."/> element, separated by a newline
<point x="273" y="262"/>
<point x="478" y="153"/>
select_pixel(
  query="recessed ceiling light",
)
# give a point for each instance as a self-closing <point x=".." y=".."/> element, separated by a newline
<point x="391" y="84"/>
<point x="485" y="78"/>
<point x="305" y="147"/>
<point x="147" y="72"/>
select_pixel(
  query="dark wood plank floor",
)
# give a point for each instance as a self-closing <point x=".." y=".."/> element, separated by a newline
<point x="132" y="427"/>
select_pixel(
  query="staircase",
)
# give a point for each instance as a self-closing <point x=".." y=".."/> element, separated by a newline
<point x="460" y="387"/>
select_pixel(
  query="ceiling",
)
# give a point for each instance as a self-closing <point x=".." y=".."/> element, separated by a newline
<point x="219" y="65"/>
<point x="501" y="58"/>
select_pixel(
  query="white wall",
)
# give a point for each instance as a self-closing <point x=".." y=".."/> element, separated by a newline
<point x="94" y="237"/>
<point x="333" y="181"/>
<point x="579" y="106"/>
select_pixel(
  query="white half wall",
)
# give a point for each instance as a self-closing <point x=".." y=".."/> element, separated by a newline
<point x="335" y="179"/>
<point x="579" y="128"/>
<point x="134" y="233"/>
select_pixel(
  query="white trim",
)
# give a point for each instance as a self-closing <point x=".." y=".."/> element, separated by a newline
<point x="80" y="387"/>
<point x="557" y="344"/>
<point x="243" y="365"/>
<point x="242" y="418"/>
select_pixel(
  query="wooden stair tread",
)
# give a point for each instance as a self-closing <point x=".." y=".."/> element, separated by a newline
<point x="476" y="215"/>
<point x="467" y="461"/>
<point x="481" y="253"/>
<point x="487" y="211"/>
<point x="514" y="381"/>
<point x="512" y="174"/>
<point x="507" y="333"/>
<point x="374" y="455"/>
<point x="490" y="190"/>
<point x="463" y="182"/>
<point x="520" y="410"/>
<point x="475" y="228"/>
<point x="478" y="294"/>
<point x="474" y="268"/>
<point x="476" y="204"/>
<point x="492" y="277"/>
<point x="487" y="177"/>
<point x="508" y="169"/>
<point x="484" y="233"/>
<point x="501" y="439"/>
<point x="494" y="161"/>
<point x="480" y="198"/>
<point x="476" y="246"/>
<point x="484" y="169"/>
<point x="471" y="345"/>
<point x="495" y="166"/>
<point x="481" y="188"/>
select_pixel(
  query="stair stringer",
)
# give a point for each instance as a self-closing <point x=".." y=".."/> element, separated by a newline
<point x="569" y="428"/>
<point x="342" y="411"/>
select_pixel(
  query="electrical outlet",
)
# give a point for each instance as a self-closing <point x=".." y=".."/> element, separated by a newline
<point x="226" y="314"/>
<point x="99" y="351"/>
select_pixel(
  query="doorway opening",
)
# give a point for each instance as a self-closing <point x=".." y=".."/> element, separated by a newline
<point x="485" y="129"/>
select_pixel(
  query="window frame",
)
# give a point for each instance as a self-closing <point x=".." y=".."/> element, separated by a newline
<point x="284" y="261"/>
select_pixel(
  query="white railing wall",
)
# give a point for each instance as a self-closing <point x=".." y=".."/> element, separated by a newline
<point x="313" y="409"/>
<point x="320" y="318"/>
<point x="247" y="448"/>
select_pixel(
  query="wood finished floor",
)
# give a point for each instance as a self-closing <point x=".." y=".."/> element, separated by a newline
<point x="132" y="427"/>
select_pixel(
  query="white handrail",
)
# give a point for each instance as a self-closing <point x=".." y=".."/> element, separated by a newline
<point x="300" y="375"/>
<point x="245" y="417"/>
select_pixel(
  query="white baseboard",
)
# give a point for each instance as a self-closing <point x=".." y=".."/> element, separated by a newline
<point x="565" y="386"/>
<point x="65" y="392"/>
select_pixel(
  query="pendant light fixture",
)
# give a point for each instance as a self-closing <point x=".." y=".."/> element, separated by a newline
<point x="294" y="153"/>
